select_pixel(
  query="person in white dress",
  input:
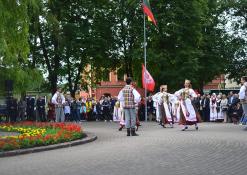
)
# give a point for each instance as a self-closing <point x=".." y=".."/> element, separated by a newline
<point x="158" y="106"/>
<point x="213" y="106"/>
<point x="188" y="115"/>
<point x="166" y="99"/>
<point x="220" y="116"/>
<point x="116" y="112"/>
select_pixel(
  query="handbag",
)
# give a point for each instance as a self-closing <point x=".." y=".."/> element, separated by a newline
<point x="224" y="109"/>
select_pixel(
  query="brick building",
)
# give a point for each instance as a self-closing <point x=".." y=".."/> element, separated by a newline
<point x="113" y="86"/>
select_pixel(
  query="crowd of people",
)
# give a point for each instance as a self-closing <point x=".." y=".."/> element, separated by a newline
<point x="208" y="108"/>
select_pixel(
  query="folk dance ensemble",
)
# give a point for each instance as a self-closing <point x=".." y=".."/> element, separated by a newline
<point x="188" y="115"/>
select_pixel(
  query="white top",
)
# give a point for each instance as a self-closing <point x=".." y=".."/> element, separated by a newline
<point x="156" y="97"/>
<point x="242" y="91"/>
<point x="224" y="102"/>
<point x="67" y="109"/>
<point x="137" y="96"/>
<point x="191" y="92"/>
<point x="54" y="98"/>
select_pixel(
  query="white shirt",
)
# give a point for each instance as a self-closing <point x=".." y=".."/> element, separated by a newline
<point x="137" y="96"/>
<point x="67" y="109"/>
<point x="54" y="98"/>
<point x="242" y="92"/>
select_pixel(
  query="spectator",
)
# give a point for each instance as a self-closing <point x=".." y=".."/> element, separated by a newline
<point x="75" y="116"/>
<point x="12" y="109"/>
<point x="224" y="108"/>
<point x="22" y="107"/>
<point x="99" y="112"/>
<point x="40" y="106"/>
<point x="67" y="110"/>
<point x="58" y="100"/>
<point x="237" y="112"/>
<point x="206" y="108"/>
<point x="51" y="116"/>
<point x="243" y="99"/>
<point x="106" y="109"/>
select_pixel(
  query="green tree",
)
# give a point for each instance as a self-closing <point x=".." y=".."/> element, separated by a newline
<point x="14" y="47"/>
<point x="236" y="15"/>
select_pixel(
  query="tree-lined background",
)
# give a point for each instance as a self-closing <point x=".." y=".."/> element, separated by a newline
<point x="44" y="43"/>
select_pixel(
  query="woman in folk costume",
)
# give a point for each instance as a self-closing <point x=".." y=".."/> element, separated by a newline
<point x="175" y="110"/>
<point x="117" y="112"/>
<point x="220" y="116"/>
<point x="122" y="120"/>
<point x="188" y="114"/>
<point x="166" y="100"/>
<point x="158" y="106"/>
<point x="213" y="106"/>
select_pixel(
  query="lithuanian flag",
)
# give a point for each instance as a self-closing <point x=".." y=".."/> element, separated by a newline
<point x="147" y="10"/>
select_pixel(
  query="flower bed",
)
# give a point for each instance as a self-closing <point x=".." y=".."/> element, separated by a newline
<point x="38" y="134"/>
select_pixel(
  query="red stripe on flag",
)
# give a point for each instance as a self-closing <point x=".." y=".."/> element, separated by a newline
<point x="149" y="13"/>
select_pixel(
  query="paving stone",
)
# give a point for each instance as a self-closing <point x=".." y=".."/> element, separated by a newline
<point x="216" y="149"/>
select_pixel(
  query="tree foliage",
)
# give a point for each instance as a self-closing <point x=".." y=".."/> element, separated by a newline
<point x="64" y="38"/>
<point x="14" y="47"/>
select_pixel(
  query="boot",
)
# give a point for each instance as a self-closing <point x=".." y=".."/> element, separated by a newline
<point x="121" y="128"/>
<point x="128" y="131"/>
<point x="133" y="132"/>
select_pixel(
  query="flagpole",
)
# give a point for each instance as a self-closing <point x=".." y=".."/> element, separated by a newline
<point x="145" y="64"/>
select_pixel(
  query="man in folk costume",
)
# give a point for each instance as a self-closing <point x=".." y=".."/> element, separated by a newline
<point x="58" y="100"/>
<point x="188" y="115"/>
<point x="130" y="97"/>
<point x="166" y="99"/>
<point x="158" y="106"/>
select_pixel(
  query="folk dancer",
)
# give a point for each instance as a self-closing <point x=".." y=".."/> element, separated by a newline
<point x="130" y="97"/>
<point x="122" y="118"/>
<point x="166" y="99"/>
<point x="158" y="106"/>
<point x="116" y="112"/>
<point x="58" y="100"/>
<point x="188" y="115"/>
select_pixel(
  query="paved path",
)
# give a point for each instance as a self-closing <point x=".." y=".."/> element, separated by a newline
<point x="217" y="148"/>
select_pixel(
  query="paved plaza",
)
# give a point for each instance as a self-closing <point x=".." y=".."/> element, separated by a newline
<point x="217" y="148"/>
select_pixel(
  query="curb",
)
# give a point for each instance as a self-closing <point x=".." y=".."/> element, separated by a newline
<point x="89" y="138"/>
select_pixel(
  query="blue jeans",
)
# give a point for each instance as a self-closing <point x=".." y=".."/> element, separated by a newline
<point x="243" y="120"/>
<point x="78" y="114"/>
<point x="130" y="117"/>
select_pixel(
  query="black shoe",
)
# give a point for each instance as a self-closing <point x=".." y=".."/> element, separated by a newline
<point x="186" y="127"/>
<point x="133" y="132"/>
<point x="121" y="128"/>
<point x="128" y="131"/>
<point x="197" y="128"/>
<point x="163" y="125"/>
